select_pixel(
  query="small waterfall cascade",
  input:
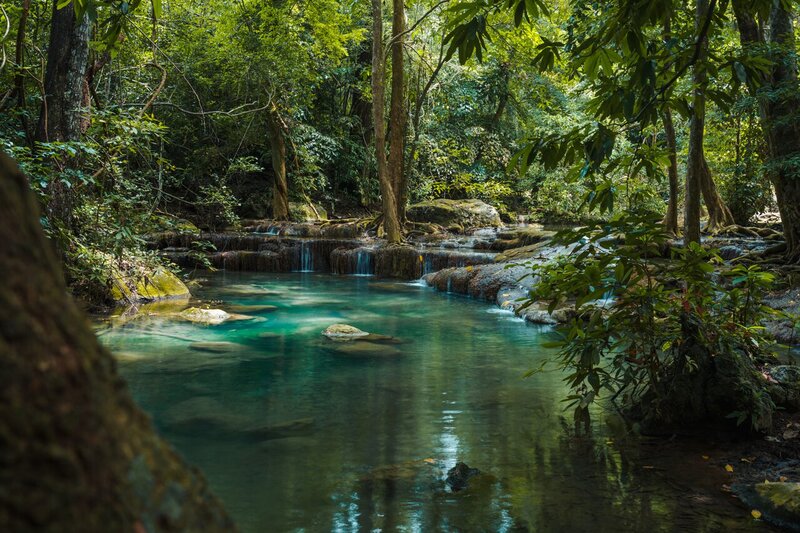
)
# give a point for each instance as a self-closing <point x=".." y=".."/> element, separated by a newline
<point x="365" y="265"/>
<point x="306" y="257"/>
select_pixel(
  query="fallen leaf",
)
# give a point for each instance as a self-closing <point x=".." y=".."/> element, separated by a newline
<point x="756" y="513"/>
<point x="429" y="461"/>
<point x="782" y="479"/>
<point x="728" y="468"/>
<point x="706" y="457"/>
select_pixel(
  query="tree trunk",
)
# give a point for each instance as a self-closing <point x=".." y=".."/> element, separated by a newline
<point x="696" y="161"/>
<point x="719" y="216"/>
<point x="76" y="454"/>
<point x="391" y="223"/>
<point x="779" y="116"/>
<point x="60" y="118"/>
<point x="19" y="77"/>
<point x="397" y="111"/>
<point x="277" y="144"/>
<point x="671" y="218"/>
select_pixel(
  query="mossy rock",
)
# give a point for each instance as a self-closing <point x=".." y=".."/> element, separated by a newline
<point x="455" y="213"/>
<point x="168" y="223"/>
<point x="303" y="212"/>
<point x="778" y="503"/>
<point x="343" y="332"/>
<point x="161" y="284"/>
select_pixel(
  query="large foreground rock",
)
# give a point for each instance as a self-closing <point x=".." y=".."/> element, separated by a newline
<point x="455" y="213"/>
<point x="143" y="286"/>
<point x="778" y="503"/>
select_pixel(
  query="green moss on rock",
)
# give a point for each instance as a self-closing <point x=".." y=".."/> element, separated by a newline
<point x="779" y="503"/>
<point x="160" y="284"/>
<point x="455" y="213"/>
<point x="303" y="212"/>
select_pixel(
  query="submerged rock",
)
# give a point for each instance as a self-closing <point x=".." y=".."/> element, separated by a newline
<point x="458" y="477"/>
<point x="361" y="348"/>
<point x="455" y="213"/>
<point x="205" y="316"/>
<point x="216" y="347"/>
<point x="343" y="332"/>
<point x="255" y="309"/>
<point x="778" y="503"/>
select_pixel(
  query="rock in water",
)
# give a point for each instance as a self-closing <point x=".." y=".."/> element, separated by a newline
<point x="343" y="332"/>
<point x="779" y="503"/>
<point x="205" y="316"/>
<point x="458" y="477"/>
<point x="216" y="347"/>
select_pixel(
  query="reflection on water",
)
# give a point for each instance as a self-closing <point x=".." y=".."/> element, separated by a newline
<point x="296" y="432"/>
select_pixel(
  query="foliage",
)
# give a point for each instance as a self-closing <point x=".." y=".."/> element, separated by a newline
<point x="633" y="297"/>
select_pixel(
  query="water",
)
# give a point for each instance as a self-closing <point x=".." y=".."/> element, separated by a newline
<point x="295" y="433"/>
<point x="306" y="257"/>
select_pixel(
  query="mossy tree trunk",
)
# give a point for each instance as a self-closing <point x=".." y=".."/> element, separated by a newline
<point x="76" y="454"/>
<point x="397" y="111"/>
<point x="277" y="144"/>
<point x="696" y="160"/>
<point x="60" y="117"/>
<point x="671" y="218"/>
<point x="719" y="216"/>
<point x="779" y="106"/>
<point x="391" y="224"/>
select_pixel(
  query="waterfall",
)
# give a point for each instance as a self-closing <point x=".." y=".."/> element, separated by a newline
<point x="427" y="265"/>
<point x="306" y="257"/>
<point x="364" y="266"/>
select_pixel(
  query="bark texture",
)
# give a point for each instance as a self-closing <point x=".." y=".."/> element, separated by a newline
<point x="779" y="107"/>
<point x="671" y="218"/>
<point x="277" y="144"/>
<point x="696" y="160"/>
<point x="76" y="454"/>
<point x="60" y="117"/>
<point x="397" y="111"/>
<point x="391" y="223"/>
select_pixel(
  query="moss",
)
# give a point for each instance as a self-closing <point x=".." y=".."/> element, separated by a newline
<point x="455" y="213"/>
<point x="161" y="284"/>
<point x="303" y="212"/>
<point x="779" y="503"/>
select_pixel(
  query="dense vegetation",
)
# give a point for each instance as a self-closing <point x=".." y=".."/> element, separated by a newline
<point x="645" y="124"/>
<point x="214" y="111"/>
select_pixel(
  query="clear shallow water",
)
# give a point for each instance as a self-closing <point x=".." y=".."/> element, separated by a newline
<point x="295" y="434"/>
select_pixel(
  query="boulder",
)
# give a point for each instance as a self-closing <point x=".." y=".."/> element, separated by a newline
<point x="784" y="386"/>
<point x="343" y="332"/>
<point x="778" y="503"/>
<point x="305" y="212"/>
<point x="143" y="286"/>
<point x="204" y="316"/>
<point x="455" y="213"/>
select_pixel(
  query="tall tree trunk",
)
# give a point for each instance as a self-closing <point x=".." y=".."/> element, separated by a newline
<point x="60" y="118"/>
<point x="391" y="223"/>
<point x="277" y="145"/>
<point x="671" y="218"/>
<point x="696" y="160"/>
<point x="719" y="216"/>
<point x="361" y="108"/>
<point x="76" y="453"/>
<point x="779" y="116"/>
<point x="19" y="77"/>
<point x="397" y="111"/>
